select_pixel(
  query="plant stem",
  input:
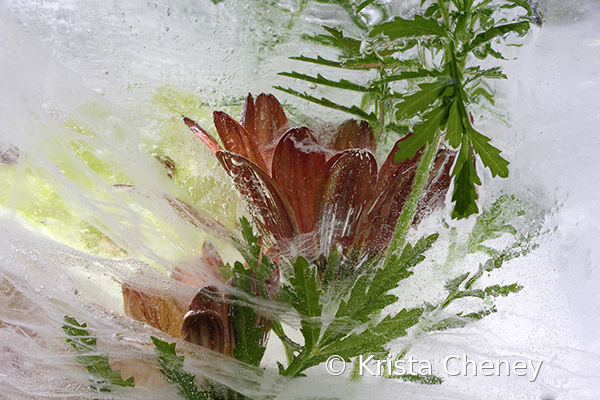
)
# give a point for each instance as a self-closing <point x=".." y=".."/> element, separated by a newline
<point x="409" y="210"/>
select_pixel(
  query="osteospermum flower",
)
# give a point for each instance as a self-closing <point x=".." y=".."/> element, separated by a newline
<point x="332" y="193"/>
<point x="298" y="190"/>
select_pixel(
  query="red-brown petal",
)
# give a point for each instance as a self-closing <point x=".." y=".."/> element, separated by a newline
<point x="393" y="187"/>
<point x="163" y="311"/>
<point x="198" y="273"/>
<point x="270" y="119"/>
<point x="269" y="207"/>
<point x="351" y="135"/>
<point x="297" y="163"/>
<point x="206" y="137"/>
<point x="434" y="194"/>
<point x="270" y="123"/>
<point x="198" y="218"/>
<point x="383" y="216"/>
<point x="236" y="139"/>
<point x="207" y="322"/>
<point x="248" y="116"/>
<point x="343" y="195"/>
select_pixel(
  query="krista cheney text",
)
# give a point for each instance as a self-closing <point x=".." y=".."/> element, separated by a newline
<point x="453" y="365"/>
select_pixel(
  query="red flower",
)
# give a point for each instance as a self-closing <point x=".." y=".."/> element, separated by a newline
<point x="318" y="195"/>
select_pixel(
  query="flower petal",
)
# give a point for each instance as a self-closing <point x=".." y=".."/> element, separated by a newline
<point x="207" y="322"/>
<point x="236" y="139"/>
<point x="343" y="194"/>
<point x="248" y="116"/>
<point x="434" y="194"/>
<point x="270" y="209"/>
<point x="265" y="122"/>
<point x="198" y="218"/>
<point x="297" y="162"/>
<point x="393" y="187"/>
<point x="206" y="137"/>
<point x="160" y="311"/>
<point x="270" y="120"/>
<point x="351" y="135"/>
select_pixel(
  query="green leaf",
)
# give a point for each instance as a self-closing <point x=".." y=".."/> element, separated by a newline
<point x="349" y="46"/>
<point x="497" y="290"/>
<point x="421" y="73"/>
<point x="454" y="129"/>
<point x="422" y="99"/>
<point x="370" y="295"/>
<point x="304" y="295"/>
<point x="465" y="195"/>
<point x="494" y="222"/>
<point x="172" y="366"/>
<point x="259" y="263"/>
<point x="490" y="155"/>
<point x="490" y="73"/>
<point x="248" y="347"/>
<point x="521" y="27"/>
<point x="458" y="321"/>
<point x="422" y="379"/>
<point x="319" y="60"/>
<point x="320" y="80"/>
<point x="423" y="133"/>
<point x="102" y="375"/>
<point x="372" y="340"/>
<point x="404" y="28"/>
<point x="479" y="92"/>
<point x="327" y="103"/>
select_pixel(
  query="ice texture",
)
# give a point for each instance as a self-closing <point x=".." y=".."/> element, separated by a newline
<point x="80" y="87"/>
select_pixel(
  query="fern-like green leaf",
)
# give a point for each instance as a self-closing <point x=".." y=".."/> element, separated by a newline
<point x="320" y="80"/>
<point x="102" y="375"/>
<point x="404" y="28"/>
<point x="172" y="366"/>
<point x="372" y="118"/>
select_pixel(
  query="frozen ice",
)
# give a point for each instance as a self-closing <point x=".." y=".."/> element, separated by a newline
<point x="80" y="88"/>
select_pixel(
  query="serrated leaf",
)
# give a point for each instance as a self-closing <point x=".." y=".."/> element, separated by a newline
<point x="172" y="366"/>
<point x="520" y="27"/>
<point x="405" y="28"/>
<point x="453" y="284"/>
<point x="369" y="295"/>
<point x="319" y="60"/>
<point x="259" y="263"/>
<point x="491" y="73"/>
<point x="320" y="80"/>
<point x="494" y="222"/>
<point x="421" y="73"/>
<point x="423" y="134"/>
<point x="248" y="347"/>
<point x="458" y="321"/>
<point x="490" y="155"/>
<point x="422" y="379"/>
<point x="465" y="195"/>
<point x="454" y="128"/>
<point x="372" y="340"/>
<point x="305" y="300"/>
<point x="345" y="42"/>
<point x="421" y="100"/>
<point x="498" y="290"/>
<point x="102" y="375"/>
<point x="328" y="103"/>
<point x="481" y="92"/>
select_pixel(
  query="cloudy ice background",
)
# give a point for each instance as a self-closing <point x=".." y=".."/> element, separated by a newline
<point x="59" y="55"/>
